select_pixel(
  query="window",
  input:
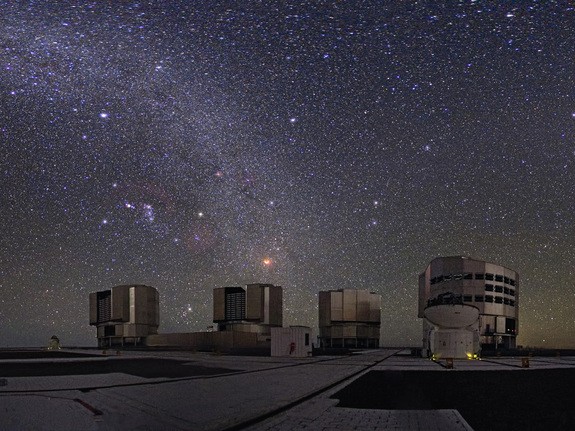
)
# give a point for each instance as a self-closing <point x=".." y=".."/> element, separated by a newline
<point x="433" y="280"/>
<point x="512" y="302"/>
<point x="498" y="300"/>
<point x="499" y="289"/>
<point x="468" y="276"/>
<point x="488" y="298"/>
<point x="506" y="280"/>
<point x="499" y="278"/>
<point x="506" y="290"/>
<point x="479" y="276"/>
<point x="511" y="292"/>
<point x="506" y="301"/>
<point x="489" y="287"/>
<point x="439" y="279"/>
<point x="307" y="339"/>
<point x="478" y="298"/>
<point x="467" y="298"/>
<point x="512" y="282"/>
<point x="488" y="276"/>
<point x="447" y="277"/>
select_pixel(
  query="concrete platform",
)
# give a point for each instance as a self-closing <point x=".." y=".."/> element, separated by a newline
<point x="196" y="391"/>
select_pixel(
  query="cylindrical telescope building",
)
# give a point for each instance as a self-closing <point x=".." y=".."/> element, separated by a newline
<point x="454" y="289"/>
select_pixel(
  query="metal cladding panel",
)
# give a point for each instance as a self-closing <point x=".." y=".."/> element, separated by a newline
<point x="452" y="265"/>
<point x="362" y="331"/>
<point x="275" y="306"/>
<point x="325" y="331"/>
<point x="121" y="303"/>
<point x="254" y="302"/>
<point x="374" y="332"/>
<point x="350" y="331"/>
<point x="119" y="330"/>
<point x="219" y="304"/>
<point x="135" y="306"/>
<point x="374" y="308"/>
<point x="336" y="306"/>
<point x="93" y="308"/>
<point x="349" y="305"/>
<point x="493" y="268"/>
<point x="436" y="267"/>
<point x="363" y="305"/>
<point x="499" y="309"/>
<point x="144" y="305"/>
<point x="132" y="330"/>
<point x="424" y="291"/>
<point x="154" y="307"/>
<point x="336" y="331"/>
<point x="500" y="324"/>
<point x="324" y="309"/>
<point x="517" y="294"/>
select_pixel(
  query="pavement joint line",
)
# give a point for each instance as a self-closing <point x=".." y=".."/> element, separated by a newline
<point x="164" y="381"/>
<point x="490" y="361"/>
<point x="313" y="394"/>
<point x="93" y="409"/>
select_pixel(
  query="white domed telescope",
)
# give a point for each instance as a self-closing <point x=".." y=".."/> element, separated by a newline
<point x="452" y="316"/>
<point x="467" y="305"/>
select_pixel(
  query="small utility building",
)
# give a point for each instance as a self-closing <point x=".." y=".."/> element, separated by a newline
<point x="295" y="341"/>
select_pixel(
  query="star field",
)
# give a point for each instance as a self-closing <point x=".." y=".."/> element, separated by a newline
<point x="193" y="145"/>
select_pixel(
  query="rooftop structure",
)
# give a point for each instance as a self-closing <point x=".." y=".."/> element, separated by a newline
<point x="349" y="318"/>
<point x="125" y="314"/>
<point x="454" y="289"/>
<point x="256" y="308"/>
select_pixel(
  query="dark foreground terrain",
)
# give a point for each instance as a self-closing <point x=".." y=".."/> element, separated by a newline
<point x="488" y="400"/>
<point x="141" y="367"/>
<point x="41" y="354"/>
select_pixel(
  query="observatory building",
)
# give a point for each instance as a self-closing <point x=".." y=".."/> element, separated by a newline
<point x="467" y="304"/>
<point x="125" y="314"/>
<point x="257" y="308"/>
<point x="349" y="318"/>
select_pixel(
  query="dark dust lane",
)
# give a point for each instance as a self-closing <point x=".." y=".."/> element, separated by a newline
<point x="488" y="400"/>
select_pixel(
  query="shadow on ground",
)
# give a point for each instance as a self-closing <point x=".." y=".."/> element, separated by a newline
<point x="141" y="367"/>
<point x="488" y="400"/>
<point x="41" y="354"/>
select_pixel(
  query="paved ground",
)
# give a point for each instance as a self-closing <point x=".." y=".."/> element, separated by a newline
<point x="195" y="391"/>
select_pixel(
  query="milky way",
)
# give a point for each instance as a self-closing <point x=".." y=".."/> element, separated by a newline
<point x="193" y="145"/>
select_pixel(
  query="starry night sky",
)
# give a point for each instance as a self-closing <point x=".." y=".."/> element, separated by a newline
<point x="192" y="145"/>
